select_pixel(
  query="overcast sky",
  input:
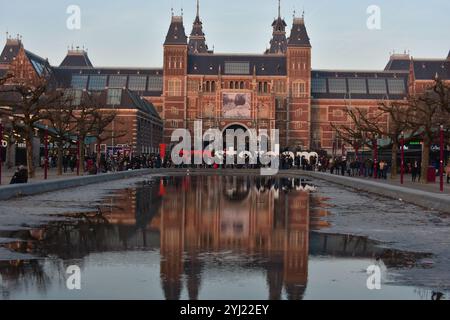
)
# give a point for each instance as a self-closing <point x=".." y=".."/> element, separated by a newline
<point x="131" y="32"/>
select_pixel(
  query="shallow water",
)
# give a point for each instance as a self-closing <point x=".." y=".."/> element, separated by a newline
<point x="204" y="237"/>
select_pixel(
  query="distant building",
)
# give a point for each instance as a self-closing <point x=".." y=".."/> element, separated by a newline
<point x="276" y="89"/>
<point x="138" y="127"/>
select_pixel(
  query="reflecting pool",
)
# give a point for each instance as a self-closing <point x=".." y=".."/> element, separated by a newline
<point x="203" y="237"/>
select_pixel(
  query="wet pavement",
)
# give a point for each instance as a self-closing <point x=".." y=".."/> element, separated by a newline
<point x="226" y="237"/>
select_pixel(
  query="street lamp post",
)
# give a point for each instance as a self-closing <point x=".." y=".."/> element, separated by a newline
<point x="441" y="165"/>
<point x="46" y="153"/>
<point x="375" y="157"/>
<point x="1" y="153"/>
<point x="78" y="156"/>
<point x="402" y="161"/>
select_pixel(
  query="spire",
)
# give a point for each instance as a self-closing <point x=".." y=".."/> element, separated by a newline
<point x="279" y="9"/>
<point x="278" y="43"/>
<point x="197" y="40"/>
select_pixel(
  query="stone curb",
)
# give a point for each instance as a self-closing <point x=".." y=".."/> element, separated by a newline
<point x="429" y="200"/>
<point x="20" y="190"/>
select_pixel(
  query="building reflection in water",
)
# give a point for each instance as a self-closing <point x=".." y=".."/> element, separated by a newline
<point x="268" y="217"/>
<point x="251" y="223"/>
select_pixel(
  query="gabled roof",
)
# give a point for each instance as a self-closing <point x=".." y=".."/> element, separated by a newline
<point x="10" y="51"/>
<point x="299" y="36"/>
<point x="176" y="34"/>
<point x="76" y="58"/>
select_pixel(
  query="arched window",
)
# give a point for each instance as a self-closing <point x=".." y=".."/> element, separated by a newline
<point x="213" y="86"/>
<point x="231" y="85"/>
<point x="242" y="85"/>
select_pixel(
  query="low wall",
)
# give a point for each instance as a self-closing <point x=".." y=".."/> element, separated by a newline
<point x="429" y="200"/>
<point x="28" y="189"/>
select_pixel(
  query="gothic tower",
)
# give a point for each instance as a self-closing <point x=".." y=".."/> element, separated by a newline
<point x="175" y="77"/>
<point x="278" y="44"/>
<point x="197" y="41"/>
<point x="299" y="84"/>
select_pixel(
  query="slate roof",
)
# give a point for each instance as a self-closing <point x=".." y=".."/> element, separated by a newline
<point x="264" y="65"/>
<point x="128" y="100"/>
<point x="76" y="58"/>
<point x="64" y="75"/>
<point x="10" y="51"/>
<point x="176" y="34"/>
<point x="326" y="75"/>
<point x="427" y="69"/>
<point x="299" y="36"/>
<point x="398" y="62"/>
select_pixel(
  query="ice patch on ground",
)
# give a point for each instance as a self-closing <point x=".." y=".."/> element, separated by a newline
<point x="400" y="225"/>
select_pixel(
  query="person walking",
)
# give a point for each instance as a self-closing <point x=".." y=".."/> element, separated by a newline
<point x="415" y="171"/>
<point x="65" y="163"/>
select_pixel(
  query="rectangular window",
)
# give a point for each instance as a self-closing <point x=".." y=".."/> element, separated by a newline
<point x="174" y="88"/>
<point x="299" y="89"/>
<point x="117" y="82"/>
<point x="79" y="82"/>
<point x="357" y="86"/>
<point x="114" y="97"/>
<point x="319" y="85"/>
<point x="193" y="85"/>
<point x="396" y="86"/>
<point x="73" y="96"/>
<point x="237" y="67"/>
<point x="97" y="82"/>
<point x="137" y="83"/>
<point x="155" y="83"/>
<point x="377" y="86"/>
<point x="280" y="86"/>
<point x="337" y="85"/>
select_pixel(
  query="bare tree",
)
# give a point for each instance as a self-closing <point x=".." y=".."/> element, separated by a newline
<point x="59" y="116"/>
<point x="428" y="113"/>
<point x="102" y="130"/>
<point x="442" y="91"/>
<point x="390" y="120"/>
<point x="83" y="123"/>
<point x="27" y="107"/>
<point x="5" y="78"/>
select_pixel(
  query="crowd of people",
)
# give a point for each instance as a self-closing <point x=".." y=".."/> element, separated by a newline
<point x="334" y="165"/>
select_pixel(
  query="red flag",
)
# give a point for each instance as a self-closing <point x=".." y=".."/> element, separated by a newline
<point x="162" y="150"/>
